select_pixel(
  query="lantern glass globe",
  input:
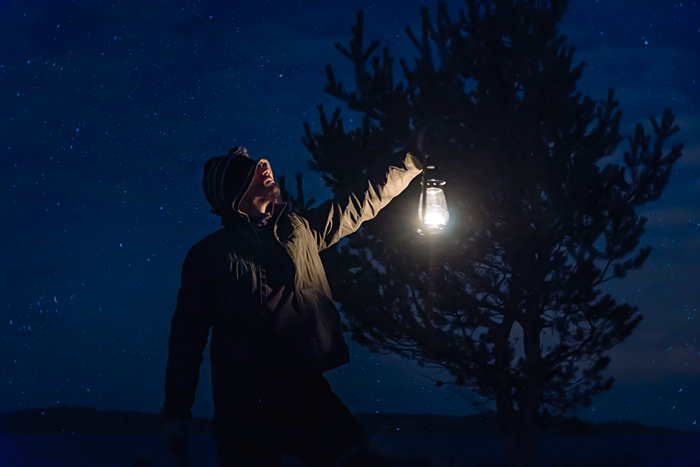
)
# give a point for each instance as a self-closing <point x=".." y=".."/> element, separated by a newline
<point x="436" y="213"/>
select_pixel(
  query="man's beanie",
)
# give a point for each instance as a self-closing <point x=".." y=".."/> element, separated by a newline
<point x="226" y="178"/>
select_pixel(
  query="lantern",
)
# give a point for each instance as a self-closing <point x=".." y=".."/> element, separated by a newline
<point x="432" y="207"/>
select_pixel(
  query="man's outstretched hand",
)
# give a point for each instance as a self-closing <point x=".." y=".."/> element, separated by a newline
<point x="176" y="439"/>
<point x="413" y="162"/>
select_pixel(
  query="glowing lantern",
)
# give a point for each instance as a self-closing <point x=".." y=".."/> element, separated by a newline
<point x="432" y="207"/>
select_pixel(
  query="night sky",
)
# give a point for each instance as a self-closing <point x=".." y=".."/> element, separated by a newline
<point x="109" y="110"/>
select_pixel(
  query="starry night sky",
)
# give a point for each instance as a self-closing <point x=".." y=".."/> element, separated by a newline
<point x="108" y="111"/>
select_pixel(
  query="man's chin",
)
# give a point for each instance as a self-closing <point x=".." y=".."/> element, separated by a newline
<point x="272" y="192"/>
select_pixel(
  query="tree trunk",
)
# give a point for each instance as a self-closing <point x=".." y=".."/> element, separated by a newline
<point x="529" y="402"/>
<point x="527" y="438"/>
<point x="507" y="416"/>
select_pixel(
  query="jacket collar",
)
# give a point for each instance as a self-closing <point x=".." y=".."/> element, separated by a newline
<point x="238" y="224"/>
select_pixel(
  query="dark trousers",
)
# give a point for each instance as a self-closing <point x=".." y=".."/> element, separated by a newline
<point x="301" y="417"/>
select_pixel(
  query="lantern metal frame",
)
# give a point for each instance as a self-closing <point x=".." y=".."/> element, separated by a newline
<point x="425" y="183"/>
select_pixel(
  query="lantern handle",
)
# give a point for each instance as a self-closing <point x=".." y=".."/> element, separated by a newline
<point x="421" y="135"/>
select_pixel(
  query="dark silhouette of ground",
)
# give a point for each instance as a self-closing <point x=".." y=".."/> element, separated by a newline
<point x="84" y="420"/>
<point x="135" y="439"/>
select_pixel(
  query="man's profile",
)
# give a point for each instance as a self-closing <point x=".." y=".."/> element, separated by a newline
<point x="259" y="285"/>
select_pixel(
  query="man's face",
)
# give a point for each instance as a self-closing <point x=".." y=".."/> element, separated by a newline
<point x="263" y="187"/>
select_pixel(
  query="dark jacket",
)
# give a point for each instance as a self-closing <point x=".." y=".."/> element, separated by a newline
<point x="222" y="289"/>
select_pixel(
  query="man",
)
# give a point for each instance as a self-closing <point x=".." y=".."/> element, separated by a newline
<point x="260" y="287"/>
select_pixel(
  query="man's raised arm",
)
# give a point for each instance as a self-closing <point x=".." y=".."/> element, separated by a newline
<point x="335" y="218"/>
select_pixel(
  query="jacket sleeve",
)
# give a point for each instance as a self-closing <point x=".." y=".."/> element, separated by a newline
<point x="189" y="332"/>
<point x="334" y="219"/>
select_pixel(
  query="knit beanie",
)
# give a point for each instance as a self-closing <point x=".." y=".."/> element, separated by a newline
<point x="226" y="178"/>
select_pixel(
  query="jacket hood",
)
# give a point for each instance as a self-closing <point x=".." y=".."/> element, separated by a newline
<point x="226" y="179"/>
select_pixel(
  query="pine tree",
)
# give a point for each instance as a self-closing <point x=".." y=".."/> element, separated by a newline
<point x="508" y="301"/>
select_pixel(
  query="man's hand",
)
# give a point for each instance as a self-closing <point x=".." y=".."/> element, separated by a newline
<point x="176" y="439"/>
<point x="412" y="162"/>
